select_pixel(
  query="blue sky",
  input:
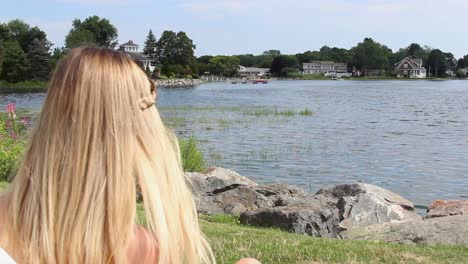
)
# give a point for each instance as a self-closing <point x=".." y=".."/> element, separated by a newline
<point x="252" y="26"/>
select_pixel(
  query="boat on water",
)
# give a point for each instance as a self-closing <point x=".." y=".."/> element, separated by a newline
<point x="260" y="81"/>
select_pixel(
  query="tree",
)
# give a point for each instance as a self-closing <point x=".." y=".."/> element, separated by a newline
<point x="282" y="62"/>
<point x="80" y="37"/>
<point x="3" y="32"/>
<point x="202" y="64"/>
<point x="224" y="65"/>
<point x="264" y="61"/>
<point x="463" y="62"/>
<point x="247" y="60"/>
<point x="451" y="61"/>
<point x="15" y="65"/>
<point x="370" y="55"/>
<point x="150" y="45"/>
<point x="39" y="60"/>
<point x="396" y="57"/>
<point x="414" y="50"/>
<point x="175" y="49"/>
<point x="437" y="63"/>
<point x="57" y="55"/>
<point x="308" y="56"/>
<point x="23" y="33"/>
<point x="273" y="53"/>
<point x="184" y="50"/>
<point x="165" y="47"/>
<point x="2" y="51"/>
<point x="93" y="30"/>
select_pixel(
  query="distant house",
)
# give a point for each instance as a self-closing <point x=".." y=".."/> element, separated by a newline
<point x="450" y="72"/>
<point x="131" y="49"/>
<point x="410" y="68"/>
<point x="252" y="72"/>
<point x="326" y="68"/>
<point x="464" y="71"/>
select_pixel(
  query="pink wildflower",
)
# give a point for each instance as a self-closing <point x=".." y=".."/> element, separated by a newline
<point x="25" y="121"/>
<point x="13" y="135"/>
<point x="11" y="110"/>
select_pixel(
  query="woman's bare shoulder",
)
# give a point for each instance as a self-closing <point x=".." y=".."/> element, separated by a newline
<point x="143" y="247"/>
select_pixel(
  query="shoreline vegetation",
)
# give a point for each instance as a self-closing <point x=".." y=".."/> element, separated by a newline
<point x="27" y="58"/>
<point x="41" y="86"/>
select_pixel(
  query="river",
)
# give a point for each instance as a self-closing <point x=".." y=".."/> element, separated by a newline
<point x="408" y="136"/>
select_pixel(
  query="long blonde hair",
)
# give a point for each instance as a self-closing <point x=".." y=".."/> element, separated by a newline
<point x="73" y="197"/>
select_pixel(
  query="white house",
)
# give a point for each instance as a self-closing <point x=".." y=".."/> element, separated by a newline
<point x="326" y="68"/>
<point x="132" y="50"/>
<point x="252" y="72"/>
<point x="464" y="71"/>
<point x="410" y="68"/>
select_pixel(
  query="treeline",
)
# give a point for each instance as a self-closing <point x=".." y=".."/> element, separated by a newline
<point x="27" y="54"/>
<point x="367" y="57"/>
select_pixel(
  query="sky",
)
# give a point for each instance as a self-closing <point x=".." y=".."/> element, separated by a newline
<point x="252" y="26"/>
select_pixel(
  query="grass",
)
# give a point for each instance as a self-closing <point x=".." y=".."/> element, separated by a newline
<point x="278" y="112"/>
<point x="193" y="159"/>
<point x="232" y="241"/>
<point x="23" y="87"/>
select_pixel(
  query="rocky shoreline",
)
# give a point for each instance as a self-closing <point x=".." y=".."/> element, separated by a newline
<point x="349" y="211"/>
<point x="177" y="82"/>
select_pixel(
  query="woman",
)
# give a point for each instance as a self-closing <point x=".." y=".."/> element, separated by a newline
<point x="98" y="136"/>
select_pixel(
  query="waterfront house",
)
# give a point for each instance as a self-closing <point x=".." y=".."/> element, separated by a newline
<point x="132" y="50"/>
<point x="464" y="71"/>
<point x="326" y="68"/>
<point x="410" y="68"/>
<point x="450" y="72"/>
<point x="252" y="72"/>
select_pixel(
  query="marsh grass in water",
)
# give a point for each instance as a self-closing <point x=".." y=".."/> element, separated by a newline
<point x="193" y="159"/>
<point x="278" y="112"/>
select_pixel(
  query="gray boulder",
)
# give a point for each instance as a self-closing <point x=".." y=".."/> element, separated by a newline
<point x="451" y="230"/>
<point x="215" y="178"/>
<point x="222" y="191"/>
<point x="442" y="208"/>
<point x="363" y="204"/>
<point x="312" y="216"/>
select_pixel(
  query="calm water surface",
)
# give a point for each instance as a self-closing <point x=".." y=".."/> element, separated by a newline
<point x="408" y="136"/>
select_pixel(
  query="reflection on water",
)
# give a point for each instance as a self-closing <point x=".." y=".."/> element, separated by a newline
<point x="407" y="136"/>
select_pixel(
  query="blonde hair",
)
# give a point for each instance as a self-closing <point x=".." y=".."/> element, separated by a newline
<point x="73" y="197"/>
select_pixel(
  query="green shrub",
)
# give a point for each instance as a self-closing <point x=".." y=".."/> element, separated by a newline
<point x="12" y="134"/>
<point x="193" y="159"/>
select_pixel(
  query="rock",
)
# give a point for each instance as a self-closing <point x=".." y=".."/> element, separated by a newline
<point x="451" y="230"/>
<point x="215" y="178"/>
<point x="311" y="217"/>
<point x="236" y="198"/>
<point x="442" y="208"/>
<point x="177" y="82"/>
<point x="363" y="204"/>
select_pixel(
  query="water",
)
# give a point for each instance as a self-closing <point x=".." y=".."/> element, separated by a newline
<point x="408" y="136"/>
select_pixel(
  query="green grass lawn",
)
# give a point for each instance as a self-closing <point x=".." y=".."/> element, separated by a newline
<point x="232" y="241"/>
